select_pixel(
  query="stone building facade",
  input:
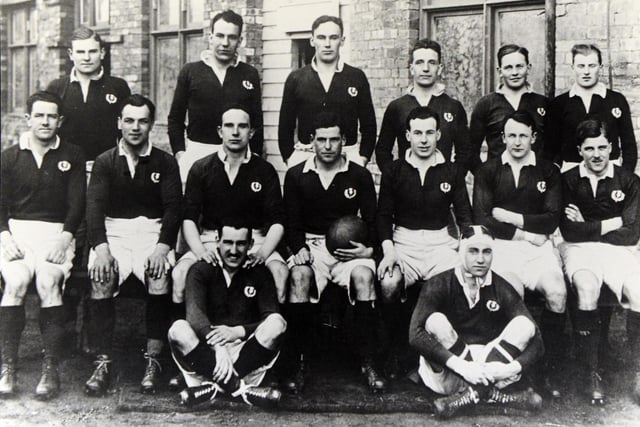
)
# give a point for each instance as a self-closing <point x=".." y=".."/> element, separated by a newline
<point x="149" y="40"/>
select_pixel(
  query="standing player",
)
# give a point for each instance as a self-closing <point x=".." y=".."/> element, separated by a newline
<point x="133" y="214"/>
<point x="474" y="334"/>
<point x="518" y="197"/>
<point x="514" y="93"/>
<point x="327" y="84"/>
<point x="41" y="204"/>
<point x="589" y="96"/>
<point x="601" y="228"/>
<point x="205" y="86"/>
<point x="317" y="192"/>
<point x="233" y="329"/>
<point x="426" y="90"/>
<point x="416" y="194"/>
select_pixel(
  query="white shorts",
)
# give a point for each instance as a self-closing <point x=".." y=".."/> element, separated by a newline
<point x="194" y="151"/>
<point x="36" y="239"/>
<point x="131" y="242"/>
<point x="425" y="253"/>
<point x="209" y="239"/>
<point x="302" y="152"/>
<point x="448" y="382"/>
<point x="253" y="378"/>
<point x="611" y="264"/>
<point x="328" y="269"/>
<point x="524" y="260"/>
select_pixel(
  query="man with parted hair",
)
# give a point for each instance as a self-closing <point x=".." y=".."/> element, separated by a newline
<point x="134" y="207"/>
<point x="589" y="96"/>
<point x="601" y="228"/>
<point x="426" y="90"/>
<point x="327" y="84"/>
<point x="205" y="86"/>
<point x="474" y="334"/>
<point x="513" y="93"/>
<point x="42" y="199"/>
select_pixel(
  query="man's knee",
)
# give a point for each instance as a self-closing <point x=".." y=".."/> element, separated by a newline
<point x="391" y="286"/>
<point x="181" y="332"/>
<point x="179" y="279"/>
<point x="157" y="286"/>
<point x="49" y="282"/>
<point x="16" y="278"/>
<point x="362" y="281"/>
<point x="280" y="274"/>
<point x="105" y="289"/>
<point x="274" y="326"/>
<point x="554" y="289"/>
<point x="519" y="331"/>
<point x="587" y="287"/>
<point x="631" y="290"/>
<point x="439" y="326"/>
<point x="300" y="282"/>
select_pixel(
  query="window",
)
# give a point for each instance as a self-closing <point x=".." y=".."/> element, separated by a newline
<point x="22" y="55"/>
<point x="94" y="13"/>
<point x="471" y="34"/>
<point x="178" y="38"/>
<point x="301" y="52"/>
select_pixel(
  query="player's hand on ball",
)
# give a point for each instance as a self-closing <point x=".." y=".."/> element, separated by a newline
<point x="10" y="249"/>
<point x="359" y="251"/>
<point x="157" y="265"/>
<point x="572" y="212"/>
<point x="222" y="334"/>
<point x="303" y="257"/>
<point x="104" y="266"/>
<point x="223" y="370"/>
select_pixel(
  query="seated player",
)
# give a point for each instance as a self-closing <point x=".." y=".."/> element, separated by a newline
<point x="416" y="194"/>
<point x="41" y="205"/>
<point x="317" y="192"/>
<point x="474" y="333"/>
<point x="601" y="229"/>
<point x="233" y="328"/>
<point x="133" y="215"/>
<point x="518" y="197"/>
<point x="228" y="184"/>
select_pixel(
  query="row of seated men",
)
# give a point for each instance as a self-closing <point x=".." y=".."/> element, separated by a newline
<point x="240" y="293"/>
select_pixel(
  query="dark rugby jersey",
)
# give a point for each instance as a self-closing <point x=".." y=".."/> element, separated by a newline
<point x="487" y="122"/>
<point x="254" y="196"/>
<point x="566" y="112"/>
<point x="312" y="209"/>
<point x="538" y="196"/>
<point x="618" y="195"/>
<point x="200" y="94"/>
<point x="246" y="302"/>
<point x="154" y="192"/>
<point x="498" y="304"/>
<point x="453" y="129"/>
<point x="304" y="97"/>
<point x="55" y="192"/>
<point x="406" y="202"/>
<point x="92" y="125"/>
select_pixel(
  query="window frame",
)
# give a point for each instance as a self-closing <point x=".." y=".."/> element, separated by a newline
<point x="90" y="16"/>
<point x="28" y="45"/>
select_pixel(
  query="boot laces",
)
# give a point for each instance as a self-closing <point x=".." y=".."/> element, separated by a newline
<point x="153" y="365"/>
<point x="469" y="397"/>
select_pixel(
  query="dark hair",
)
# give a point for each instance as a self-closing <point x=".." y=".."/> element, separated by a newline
<point x="520" y="116"/>
<point x="228" y="16"/>
<point x="326" y="18"/>
<point x="326" y="119"/>
<point x="234" y="222"/>
<point x="85" y="33"/>
<point x="427" y="44"/>
<point x="422" y="113"/>
<point x="235" y="106"/>
<point x="590" y="127"/>
<point x="469" y="231"/>
<point x="585" y="49"/>
<point x="139" y="101"/>
<point x="512" y="48"/>
<point x="44" y="97"/>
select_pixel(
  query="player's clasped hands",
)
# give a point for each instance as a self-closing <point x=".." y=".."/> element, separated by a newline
<point x="358" y="251"/>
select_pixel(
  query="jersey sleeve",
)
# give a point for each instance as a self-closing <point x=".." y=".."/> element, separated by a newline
<point x="76" y="194"/>
<point x="483" y="204"/>
<point x="171" y="189"/>
<point x="548" y="219"/>
<point x="98" y="199"/>
<point x="386" y="138"/>
<point x="367" y="119"/>
<point x="178" y="112"/>
<point x="288" y="118"/>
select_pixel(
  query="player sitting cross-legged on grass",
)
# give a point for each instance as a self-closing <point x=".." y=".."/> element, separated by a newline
<point x="474" y="334"/>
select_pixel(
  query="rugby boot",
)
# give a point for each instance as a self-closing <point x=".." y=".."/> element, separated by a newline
<point x="528" y="400"/>
<point x="446" y="407"/>
<point x="100" y="380"/>
<point x="376" y="382"/>
<point x="191" y="396"/>
<point x="7" y="378"/>
<point x="264" y="397"/>
<point x="49" y="385"/>
<point x="151" y="377"/>
<point x="176" y="382"/>
<point x="294" y="384"/>
<point x="596" y="390"/>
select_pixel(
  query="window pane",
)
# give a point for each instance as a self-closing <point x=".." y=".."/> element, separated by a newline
<point x="195" y="13"/>
<point x="18" y="78"/>
<point x="85" y="12"/>
<point x="195" y="45"/>
<point x="33" y="25"/>
<point x="102" y="11"/>
<point x="461" y="37"/>
<point x="168" y="13"/>
<point x="525" y="28"/>
<point x="34" y="84"/>
<point x="19" y="26"/>
<point x="167" y="68"/>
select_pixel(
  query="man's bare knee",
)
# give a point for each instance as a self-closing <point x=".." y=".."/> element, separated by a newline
<point x="182" y="336"/>
<point x="519" y="331"/>
<point x="271" y="330"/>
<point x="362" y="280"/>
<point x="300" y="282"/>
<point x="49" y="286"/>
<point x="439" y="326"/>
<point x="554" y="290"/>
<point x="391" y="287"/>
<point x="103" y="290"/>
<point x="179" y="279"/>
<point x="16" y="281"/>
<point x="157" y="286"/>
<point x="587" y="287"/>
<point x="280" y="274"/>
